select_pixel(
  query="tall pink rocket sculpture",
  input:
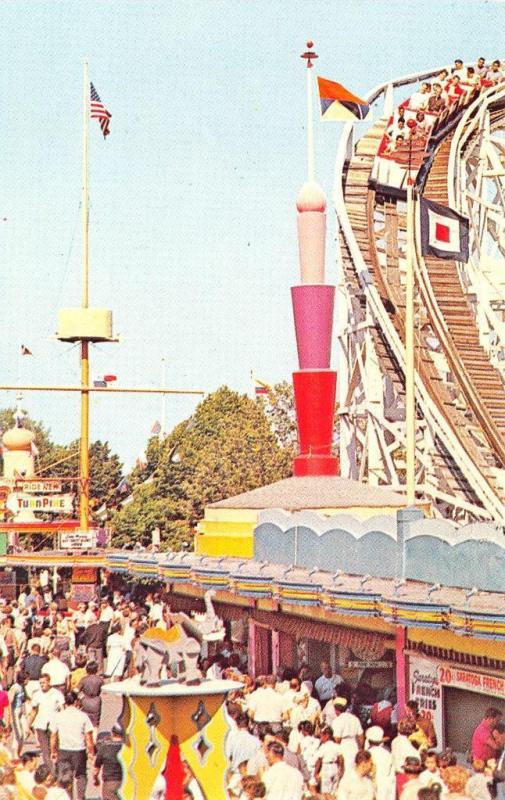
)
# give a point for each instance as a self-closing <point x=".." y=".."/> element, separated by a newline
<point x="315" y="384"/>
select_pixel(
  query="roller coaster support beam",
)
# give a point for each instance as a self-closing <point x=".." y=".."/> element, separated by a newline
<point x="410" y="396"/>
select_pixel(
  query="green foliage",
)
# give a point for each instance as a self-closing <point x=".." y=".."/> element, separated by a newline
<point x="137" y="519"/>
<point x="105" y="469"/>
<point x="226" y="447"/>
<point x="62" y="461"/>
<point x="279" y="406"/>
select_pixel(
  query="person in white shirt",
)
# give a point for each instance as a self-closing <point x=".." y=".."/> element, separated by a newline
<point x="357" y="783"/>
<point x="419" y="100"/>
<point x="106" y="611"/>
<point x="481" y="67"/>
<point x="241" y="745"/>
<point x="117" y="648"/>
<point x="401" y="746"/>
<point x="266" y="705"/>
<point x="347" y="732"/>
<point x="72" y="741"/>
<point x="281" y="781"/>
<point x="156" y="610"/>
<point x="23" y="594"/>
<point x="291" y="695"/>
<point x="329" y="764"/>
<point x="384" y="778"/>
<point x="431" y="772"/>
<point x="59" y="673"/>
<point x="304" y="709"/>
<point x="494" y="73"/>
<point x="459" y="69"/>
<point x="326" y="684"/>
<point x="328" y="713"/>
<point x="46" y="703"/>
<point x="308" y="748"/>
<point x="90" y="615"/>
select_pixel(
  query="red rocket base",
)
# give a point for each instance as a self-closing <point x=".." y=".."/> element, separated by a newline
<point x="307" y="465"/>
<point x="315" y="392"/>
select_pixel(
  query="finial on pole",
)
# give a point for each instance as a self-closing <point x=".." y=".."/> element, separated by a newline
<point x="309" y="54"/>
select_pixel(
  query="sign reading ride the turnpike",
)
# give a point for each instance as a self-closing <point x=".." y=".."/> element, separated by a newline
<point x="49" y="503"/>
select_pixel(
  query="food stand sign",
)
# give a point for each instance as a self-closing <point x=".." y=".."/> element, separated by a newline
<point x="427" y="679"/>
<point x="77" y="540"/>
<point x="425" y="687"/>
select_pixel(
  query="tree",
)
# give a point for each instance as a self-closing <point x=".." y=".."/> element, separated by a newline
<point x="226" y="447"/>
<point x="279" y="405"/>
<point x="62" y="461"/>
<point x="136" y="520"/>
<point x="105" y="469"/>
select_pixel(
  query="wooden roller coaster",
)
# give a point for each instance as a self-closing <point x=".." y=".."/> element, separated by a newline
<point x="460" y="392"/>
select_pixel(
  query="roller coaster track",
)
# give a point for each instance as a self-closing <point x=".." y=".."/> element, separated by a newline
<point x="460" y="393"/>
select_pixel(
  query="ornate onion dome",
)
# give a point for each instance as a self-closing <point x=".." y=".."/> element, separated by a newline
<point x="18" y="439"/>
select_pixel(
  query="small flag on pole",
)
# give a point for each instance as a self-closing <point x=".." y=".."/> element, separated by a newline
<point x="156" y="429"/>
<point x="123" y="487"/>
<point x="99" y="112"/>
<point x="25" y="351"/>
<point x="261" y="388"/>
<point x="338" y="104"/>
<point x="102" y="381"/>
<point x="444" y="232"/>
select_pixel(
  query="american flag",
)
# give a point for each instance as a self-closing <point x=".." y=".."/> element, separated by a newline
<point x="99" y="112"/>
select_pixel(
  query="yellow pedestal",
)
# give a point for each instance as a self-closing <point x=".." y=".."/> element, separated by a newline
<point x="153" y="714"/>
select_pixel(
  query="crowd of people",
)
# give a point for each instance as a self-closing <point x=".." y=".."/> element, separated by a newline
<point x="415" y="119"/>
<point x="291" y="736"/>
<point x="294" y="739"/>
<point x="54" y="661"/>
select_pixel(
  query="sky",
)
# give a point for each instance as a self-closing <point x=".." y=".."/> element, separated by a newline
<point x="192" y="219"/>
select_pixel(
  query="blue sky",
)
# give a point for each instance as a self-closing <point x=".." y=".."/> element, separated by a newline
<point x="193" y="225"/>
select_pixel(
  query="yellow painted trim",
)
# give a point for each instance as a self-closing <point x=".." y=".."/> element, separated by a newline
<point x="225" y="528"/>
<point x="239" y="546"/>
<point x="176" y="717"/>
<point x="231" y="514"/>
<point x="463" y="644"/>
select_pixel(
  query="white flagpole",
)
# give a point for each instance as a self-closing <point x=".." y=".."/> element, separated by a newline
<point x="309" y="55"/>
<point x="410" y="394"/>
<point x="85" y="190"/>
<point x="311" y="168"/>
<point x="163" y="398"/>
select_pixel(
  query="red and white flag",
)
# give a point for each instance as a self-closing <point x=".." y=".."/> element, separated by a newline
<point x="98" y="111"/>
<point x="444" y="232"/>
